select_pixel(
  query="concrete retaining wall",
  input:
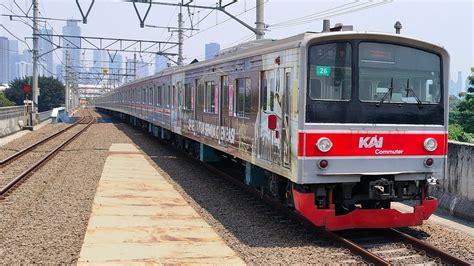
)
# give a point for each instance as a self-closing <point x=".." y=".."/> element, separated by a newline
<point x="9" y="119"/>
<point x="456" y="192"/>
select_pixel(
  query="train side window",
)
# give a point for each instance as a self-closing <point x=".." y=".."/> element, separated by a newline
<point x="187" y="96"/>
<point x="150" y="96"/>
<point x="160" y="96"/>
<point x="144" y="96"/>
<point x="243" y="94"/>
<point x="225" y="90"/>
<point x="210" y="97"/>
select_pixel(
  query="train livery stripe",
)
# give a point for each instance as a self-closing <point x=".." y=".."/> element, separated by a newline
<point x="370" y="144"/>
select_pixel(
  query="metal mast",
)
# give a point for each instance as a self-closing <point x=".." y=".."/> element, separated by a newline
<point x="66" y="94"/>
<point x="180" y="35"/>
<point x="260" y="24"/>
<point x="35" y="61"/>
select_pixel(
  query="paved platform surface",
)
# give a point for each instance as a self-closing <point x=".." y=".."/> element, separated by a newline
<point x="138" y="217"/>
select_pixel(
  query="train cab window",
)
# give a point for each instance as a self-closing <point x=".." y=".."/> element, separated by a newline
<point x="210" y="97"/>
<point x="243" y="99"/>
<point x="187" y="96"/>
<point x="398" y="74"/>
<point x="330" y="72"/>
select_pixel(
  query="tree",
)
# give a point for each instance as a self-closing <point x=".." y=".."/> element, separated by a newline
<point x="51" y="92"/>
<point x="4" y="102"/>
<point x="465" y="108"/>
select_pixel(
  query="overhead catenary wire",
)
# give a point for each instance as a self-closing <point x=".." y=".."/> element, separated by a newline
<point x="332" y="12"/>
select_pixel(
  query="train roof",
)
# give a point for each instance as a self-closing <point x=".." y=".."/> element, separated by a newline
<point x="252" y="48"/>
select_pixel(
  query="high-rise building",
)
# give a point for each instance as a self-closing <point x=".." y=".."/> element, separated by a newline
<point x="115" y="70"/>
<point x="14" y="58"/>
<point x="460" y="82"/>
<point x="71" y="44"/>
<point x="129" y="70"/>
<point x="24" y="69"/>
<point x="100" y="61"/>
<point x="161" y="62"/>
<point x="143" y="69"/>
<point x="45" y="44"/>
<point x="59" y="72"/>
<point x="212" y="49"/>
<point x="4" y="60"/>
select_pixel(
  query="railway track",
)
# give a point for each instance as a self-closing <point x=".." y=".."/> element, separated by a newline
<point x="17" y="167"/>
<point x="378" y="247"/>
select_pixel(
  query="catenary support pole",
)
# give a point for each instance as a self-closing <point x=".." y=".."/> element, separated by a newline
<point x="180" y="36"/>
<point x="35" y="61"/>
<point x="260" y="22"/>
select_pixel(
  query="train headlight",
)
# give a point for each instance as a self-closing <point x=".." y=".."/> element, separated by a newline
<point x="324" y="144"/>
<point x="430" y="144"/>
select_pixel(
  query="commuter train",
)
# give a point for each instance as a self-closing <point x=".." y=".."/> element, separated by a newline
<point x="337" y="124"/>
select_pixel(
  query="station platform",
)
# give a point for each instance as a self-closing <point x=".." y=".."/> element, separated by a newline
<point x="138" y="217"/>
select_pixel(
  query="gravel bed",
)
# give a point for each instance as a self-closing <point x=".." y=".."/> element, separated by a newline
<point x="454" y="242"/>
<point x="28" y="139"/>
<point x="44" y="220"/>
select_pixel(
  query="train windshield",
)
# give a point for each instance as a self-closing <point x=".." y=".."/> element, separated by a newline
<point x="373" y="82"/>
<point x="398" y="74"/>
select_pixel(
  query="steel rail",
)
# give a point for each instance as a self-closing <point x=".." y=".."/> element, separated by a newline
<point x="39" y="163"/>
<point x="25" y="150"/>
<point x="430" y="250"/>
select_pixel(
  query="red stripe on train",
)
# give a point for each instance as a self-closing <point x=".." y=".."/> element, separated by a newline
<point x="371" y="144"/>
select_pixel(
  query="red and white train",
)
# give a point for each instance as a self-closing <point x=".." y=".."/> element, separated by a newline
<point x="337" y="124"/>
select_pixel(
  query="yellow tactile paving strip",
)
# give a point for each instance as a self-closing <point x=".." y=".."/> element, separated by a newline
<point x="139" y="218"/>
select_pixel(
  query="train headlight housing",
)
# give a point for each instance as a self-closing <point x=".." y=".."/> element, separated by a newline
<point x="324" y="144"/>
<point x="430" y="144"/>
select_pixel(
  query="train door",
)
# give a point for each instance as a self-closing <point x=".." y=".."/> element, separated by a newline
<point x="285" y="125"/>
<point x="270" y="104"/>
<point x="224" y="119"/>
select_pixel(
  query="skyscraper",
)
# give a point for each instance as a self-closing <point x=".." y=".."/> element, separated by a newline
<point x="72" y="29"/>
<point x="14" y="58"/>
<point x="460" y="82"/>
<point x="100" y="61"/>
<point x="59" y="72"/>
<point x="115" y="69"/>
<point x="212" y="49"/>
<point x="161" y="62"/>
<point x="45" y="48"/>
<point x="4" y="60"/>
<point x="142" y="69"/>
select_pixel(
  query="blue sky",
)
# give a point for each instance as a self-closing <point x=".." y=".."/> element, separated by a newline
<point x="448" y="23"/>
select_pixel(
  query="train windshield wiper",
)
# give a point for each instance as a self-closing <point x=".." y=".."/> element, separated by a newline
<point x="408" y="89"/>
<point x="389" y="92"/>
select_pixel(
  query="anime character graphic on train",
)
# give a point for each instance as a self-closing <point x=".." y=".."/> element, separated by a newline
<point x="337" y="124"/>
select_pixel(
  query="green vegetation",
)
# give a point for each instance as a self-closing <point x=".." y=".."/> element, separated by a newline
<point x="461" y="114"/>
<point x="4" y="102"/>
<point x="51" y="92"/>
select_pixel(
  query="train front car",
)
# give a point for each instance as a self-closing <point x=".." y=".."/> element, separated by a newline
<point x="373" y="130"/>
